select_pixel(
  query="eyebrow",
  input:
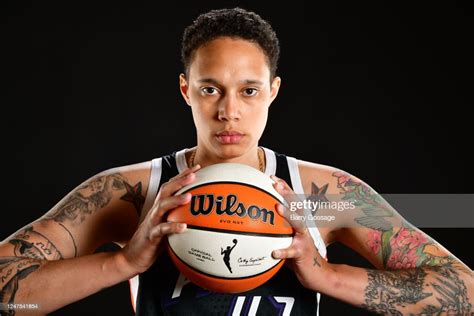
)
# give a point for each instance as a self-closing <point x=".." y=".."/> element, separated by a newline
<point x="216" y="82"/>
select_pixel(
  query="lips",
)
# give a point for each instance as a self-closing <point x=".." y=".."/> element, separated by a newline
<point x="229" y="137"/>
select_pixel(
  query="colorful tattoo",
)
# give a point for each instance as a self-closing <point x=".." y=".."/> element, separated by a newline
<point x="402" y="247"/>
<point x="411" y="253"/>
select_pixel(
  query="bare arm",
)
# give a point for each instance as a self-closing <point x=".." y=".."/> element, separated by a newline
<point x="420" y="275"/>
<point x="103" y="209"/>
<point x="50" y="285"/>
<point x="416" y="274"/>
<point x="50" y="263"/>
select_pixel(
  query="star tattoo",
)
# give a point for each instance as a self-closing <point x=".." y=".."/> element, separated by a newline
<point x="134" y="195"/>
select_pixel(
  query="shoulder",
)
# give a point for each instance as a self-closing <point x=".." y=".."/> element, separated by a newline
<point x="321" y="178"/>
<point x="329" y="183"/>
<point x="137" y="171"/>
<point x="123" y="190"/>
<point x="134" y="177"/>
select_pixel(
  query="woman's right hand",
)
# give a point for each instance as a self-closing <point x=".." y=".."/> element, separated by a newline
<point x="142" y="249"/>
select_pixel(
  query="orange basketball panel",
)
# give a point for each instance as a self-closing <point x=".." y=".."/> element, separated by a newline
<point x="223" y="285"/>
<point x="232" y="206"/>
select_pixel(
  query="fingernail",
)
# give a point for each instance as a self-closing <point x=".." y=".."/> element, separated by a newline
<point x="282" y="210"/>
<point x="182" y="225"/>
<point x="276" y="253"/>
<point x="278" y="208"/>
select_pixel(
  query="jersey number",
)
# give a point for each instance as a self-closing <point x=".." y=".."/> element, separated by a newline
<point x="283" y="303"/>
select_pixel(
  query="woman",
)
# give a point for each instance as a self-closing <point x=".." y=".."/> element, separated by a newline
<point x="230" y="59"/>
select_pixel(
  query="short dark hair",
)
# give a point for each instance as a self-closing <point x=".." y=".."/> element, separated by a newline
<point x="235" y="22"/>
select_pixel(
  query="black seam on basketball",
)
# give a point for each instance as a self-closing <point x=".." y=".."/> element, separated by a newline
<point x="218" y="277"/>
<point x="228" y="231"/>
<point x="231" y="182"/>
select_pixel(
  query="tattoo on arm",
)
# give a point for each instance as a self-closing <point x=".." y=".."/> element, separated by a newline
<point x="32" y="244"/>
<point x="402" y="247"/>
<point x="391" y="292"/>
<point x="72" y="238"/>
<point x="318" y="193"/>
<point x="134" y="196"/>
<point x="12" y="271"/>
<point x="372" y="205"/>
<point x="94" y="195"/>
<point x="423" y="270"/>
<point x="388" y="291"/>
<point x="374" y="209"/>
<point x="451" y="293"/>
<point x="316" y="262"/>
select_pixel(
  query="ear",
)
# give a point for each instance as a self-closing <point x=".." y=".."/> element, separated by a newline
<point x="184" y="88"/>
<point x="274" y="88"/>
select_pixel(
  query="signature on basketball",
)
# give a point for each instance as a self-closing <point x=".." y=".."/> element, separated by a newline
<point x="246" y="262"/>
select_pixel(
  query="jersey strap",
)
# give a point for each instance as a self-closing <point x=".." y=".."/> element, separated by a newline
<point x="163" y="290"/>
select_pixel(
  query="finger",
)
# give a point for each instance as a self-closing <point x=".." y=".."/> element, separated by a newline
<point x="284" y="189"/>
<point x="166" y="229"/>
<point x="297" y="216"/>
<point x="166" y="204"/>
<point x="186" y="172"/>
<point x="293" y="218"/>
<point x="281" y="184"/>
<point x="286" y="253"/>
<point x="178" y="182"/>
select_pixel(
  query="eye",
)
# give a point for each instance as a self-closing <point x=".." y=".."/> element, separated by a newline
<point x="209" y="90"/>
<point x="248" y="92"/>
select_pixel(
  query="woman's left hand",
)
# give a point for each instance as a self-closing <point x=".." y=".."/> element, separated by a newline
<point x="305" y="260"/>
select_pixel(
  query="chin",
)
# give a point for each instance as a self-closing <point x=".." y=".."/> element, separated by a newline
<point x="231" y="151"/>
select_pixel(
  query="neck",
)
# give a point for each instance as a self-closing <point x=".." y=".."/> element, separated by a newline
<point x="254" y="158"/>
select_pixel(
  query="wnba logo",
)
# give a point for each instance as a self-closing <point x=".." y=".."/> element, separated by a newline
<point x="206" y="203"/>
<point x="232" y="218"/>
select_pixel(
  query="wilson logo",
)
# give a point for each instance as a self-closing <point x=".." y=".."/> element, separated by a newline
<point x="207" y="203"/>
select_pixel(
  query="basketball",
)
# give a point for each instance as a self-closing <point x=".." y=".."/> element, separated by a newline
<point x="233" y="228"/>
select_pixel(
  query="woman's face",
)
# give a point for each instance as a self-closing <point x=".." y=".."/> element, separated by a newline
<point x="229" y="91"/>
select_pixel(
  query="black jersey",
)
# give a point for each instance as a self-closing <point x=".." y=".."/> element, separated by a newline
<point x="163" y="290"/>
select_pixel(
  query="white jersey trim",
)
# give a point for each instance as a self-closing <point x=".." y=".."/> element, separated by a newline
<point x="181" y="160"/>
<point x="313" y="230"/>
<point x="270" y="169"/>
<point x="155" y="178"/>
<point x="153" y="184"/>
<point x="270" y="159"/>
<point x="134" y="291"/>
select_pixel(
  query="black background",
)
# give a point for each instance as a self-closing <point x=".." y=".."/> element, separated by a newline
<point x="383" y="91"/>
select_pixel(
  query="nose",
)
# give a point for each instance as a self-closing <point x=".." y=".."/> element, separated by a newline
<point x="229" y="109"/>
